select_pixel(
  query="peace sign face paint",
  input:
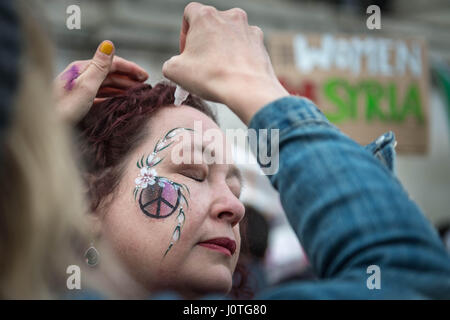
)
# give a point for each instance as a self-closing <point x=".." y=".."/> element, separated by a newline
<point x="159" y="197"/>
<point x="160" y="200"/>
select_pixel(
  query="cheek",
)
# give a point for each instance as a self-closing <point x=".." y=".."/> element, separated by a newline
<point x="196" y="213"/>
<point x="132" y="234"/>
<point x="138" y="240"/>
<point x="159" y="201"/>
<point x="199" y="203"/>
<point x="237" y="237"/>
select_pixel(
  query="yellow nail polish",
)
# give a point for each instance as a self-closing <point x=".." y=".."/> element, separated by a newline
<point x="106" y="47"/>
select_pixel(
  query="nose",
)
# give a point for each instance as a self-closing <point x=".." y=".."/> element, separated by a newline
<point x="227" y="207"/>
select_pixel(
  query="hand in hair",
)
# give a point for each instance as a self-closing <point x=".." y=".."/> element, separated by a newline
<point x="87" y="82"/>
<point x="223" y="59"/>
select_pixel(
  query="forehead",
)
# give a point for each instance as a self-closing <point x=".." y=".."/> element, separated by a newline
<point x="206" y="135"/>
<point x="180" y="116"/>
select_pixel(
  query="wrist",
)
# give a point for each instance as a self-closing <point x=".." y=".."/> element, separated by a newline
<point x="246" y="97"/>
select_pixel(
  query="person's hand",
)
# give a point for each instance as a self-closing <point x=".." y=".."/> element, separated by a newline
<point x="223" y="59"/>
<point x="88" y="82"/>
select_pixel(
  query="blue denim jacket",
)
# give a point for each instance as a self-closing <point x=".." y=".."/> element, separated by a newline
<point x="350" y="212"/>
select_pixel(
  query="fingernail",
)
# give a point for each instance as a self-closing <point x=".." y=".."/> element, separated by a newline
<point x="106" y="47"/>
<point x="143" y="76"/>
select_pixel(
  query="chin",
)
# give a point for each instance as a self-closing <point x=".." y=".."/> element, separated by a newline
<point x="213" y="281"/>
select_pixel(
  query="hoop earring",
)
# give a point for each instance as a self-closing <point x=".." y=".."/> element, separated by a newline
<point x="91" y="256"/>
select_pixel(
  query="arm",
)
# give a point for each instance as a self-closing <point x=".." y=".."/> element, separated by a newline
<point x="347" y="209"/>
<point x="349" y="212"/>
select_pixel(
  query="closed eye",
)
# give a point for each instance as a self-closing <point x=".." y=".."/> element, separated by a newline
<point x="196" y="173"/>
<point x="194" y="178"/>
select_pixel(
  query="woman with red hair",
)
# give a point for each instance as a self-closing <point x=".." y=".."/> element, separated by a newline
<point x="174" y="224"/>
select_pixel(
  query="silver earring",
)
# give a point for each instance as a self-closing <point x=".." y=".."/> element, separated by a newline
<point x="91" y="256"/>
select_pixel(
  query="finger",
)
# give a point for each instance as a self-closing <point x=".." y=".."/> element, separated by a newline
<point x="99" y="67"/>
<point x="108" y="92"/>
<point x="237" y="14"/>
<point x="183" y="34"/>
<point x="119" y="81"/>
<point x="131" y="69"/>
<point x="191" y="11"/>
<point x="258" y="32"/>
<point x="97" y="101"/>
<point x="170" y="69"/>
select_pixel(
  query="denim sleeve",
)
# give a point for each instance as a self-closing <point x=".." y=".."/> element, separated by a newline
<point x="349" y="212"/>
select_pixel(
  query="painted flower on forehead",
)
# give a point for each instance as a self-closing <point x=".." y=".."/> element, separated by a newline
<point x="146" y="177"/>
<point x="152" y="159"/>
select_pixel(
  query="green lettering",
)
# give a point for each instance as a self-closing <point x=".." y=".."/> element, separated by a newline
<point x="395" y="116"/>
<point x="374" y="92"/>
<point x="412" y="104"/>
<point x="343" y="96"/>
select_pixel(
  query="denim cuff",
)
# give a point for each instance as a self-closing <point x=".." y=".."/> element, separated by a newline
<point x="383" y="148"/>
<point x="295" y="110"/>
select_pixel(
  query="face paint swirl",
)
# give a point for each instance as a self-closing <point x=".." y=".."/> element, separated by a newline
<point x="159" y="197"/>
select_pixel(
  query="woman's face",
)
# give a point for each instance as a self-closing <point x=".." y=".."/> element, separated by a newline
<point x="176" y="225"/>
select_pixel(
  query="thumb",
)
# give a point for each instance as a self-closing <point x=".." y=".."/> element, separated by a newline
<point x="99" y="67"/>
<point x="171" y="69"/>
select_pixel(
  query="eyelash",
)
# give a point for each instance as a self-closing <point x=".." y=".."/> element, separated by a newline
<point x="193" y="178"/>
<point x="202" y="180"/>
<point x="194" y="174"/>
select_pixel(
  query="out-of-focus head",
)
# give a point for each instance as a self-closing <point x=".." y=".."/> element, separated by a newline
<point x="41" y="205"/>
<point x="174" y="224"/>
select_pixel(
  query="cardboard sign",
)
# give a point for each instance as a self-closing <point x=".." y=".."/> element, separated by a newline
<point x="364" y="85"/>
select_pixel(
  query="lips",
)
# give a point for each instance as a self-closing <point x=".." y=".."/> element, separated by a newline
<point x="224" y="245"/>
